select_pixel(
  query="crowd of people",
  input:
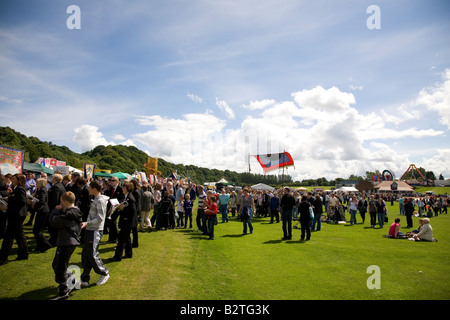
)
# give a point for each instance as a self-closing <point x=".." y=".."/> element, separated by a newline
<point x="76" y="212"/>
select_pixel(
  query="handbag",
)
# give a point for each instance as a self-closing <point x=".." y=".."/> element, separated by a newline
<point x="311" y="213"/>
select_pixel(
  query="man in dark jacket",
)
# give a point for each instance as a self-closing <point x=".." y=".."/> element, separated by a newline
<point x="165" y="208"/>
<point x="16" y="213"/>
<point x="287" y="205"/>
<point x="66" y="218"/>
<point x="409" y="211"/>
<point x="127" y="213"/>
<point x="3" y="194"/>
<point x="305" y="218"/>
<point x="42" y="211"/>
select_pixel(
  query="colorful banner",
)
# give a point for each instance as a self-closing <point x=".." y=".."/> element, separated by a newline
<point x="273" y="161"/>
<point x="152" y="166"/>
<point x="11" y="160"/>
<point x="50" y="162"/>
<point x="89" y="171"/>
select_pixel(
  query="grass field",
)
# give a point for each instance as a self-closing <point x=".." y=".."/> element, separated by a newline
<point x="181" y="264"/>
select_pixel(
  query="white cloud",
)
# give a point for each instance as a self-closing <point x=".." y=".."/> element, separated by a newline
<point x="406" y="112"/>
<point x="331" y="100"/>
<point x="187" y="140"/>
<point x="438" y="163"/>
<point x="434" y="98"/>
<point x="354" y="88"/>
<point x="118" y="137"/>
<point x="128" y="143"/>
<point x="195" y="98"/>
<point x="437" y="98"/>
<point x="257" y="105"/>
<point x="124" y="141"/>
<point x="88" y="137"/>
<point x="223" y="105"/>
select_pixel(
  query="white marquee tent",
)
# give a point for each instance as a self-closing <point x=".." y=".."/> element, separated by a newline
<point x="347" y="189"/>
<point x="262" y="186"/>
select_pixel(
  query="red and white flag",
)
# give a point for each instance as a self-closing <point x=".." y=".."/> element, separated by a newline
<point x="273" y="161"/>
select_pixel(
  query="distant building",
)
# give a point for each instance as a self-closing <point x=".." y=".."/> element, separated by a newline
<point x="442" y="183"/>
<point x="364" y="186"/>
<point x="361" y="185"/>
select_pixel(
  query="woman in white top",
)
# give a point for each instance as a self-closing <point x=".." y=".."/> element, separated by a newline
<point x="426" y="231"/>
<point x="353" y="206"/>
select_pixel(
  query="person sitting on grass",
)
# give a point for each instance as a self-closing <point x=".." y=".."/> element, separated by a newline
<point x="394" y="230"/>
<point x="420" y="226"/>
<point x="425" y="233"/>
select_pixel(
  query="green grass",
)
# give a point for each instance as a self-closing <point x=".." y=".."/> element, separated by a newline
<point x="437" y="190"/>
<point x="182" y="265"/>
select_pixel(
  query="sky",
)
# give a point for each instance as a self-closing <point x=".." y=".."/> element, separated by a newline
<point x="343" y="86"/>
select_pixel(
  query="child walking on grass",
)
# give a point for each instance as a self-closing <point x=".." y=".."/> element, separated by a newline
<point x="66" y="218"/>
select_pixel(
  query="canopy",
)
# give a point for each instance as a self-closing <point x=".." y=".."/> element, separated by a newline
<point x="224" y="182"/>
<point x="121" y="175"/>
<point x="348" y="189"/>
<point x="72" y="170"/>
<point x="103" y="174"/>
<point x="262" y="186"/>
<point x="36" y="167"/>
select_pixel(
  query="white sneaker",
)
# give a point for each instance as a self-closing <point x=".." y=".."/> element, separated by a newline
<point x="102" y="280"/>
<point x="84" y="284"/>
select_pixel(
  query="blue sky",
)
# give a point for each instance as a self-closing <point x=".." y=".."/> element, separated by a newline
<point x="208" y="82"/>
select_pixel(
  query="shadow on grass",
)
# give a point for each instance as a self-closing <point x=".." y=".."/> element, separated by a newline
<point x="285" y="241"/>
<point x="38" y="294"/>
<point x="199" y="236"/>
<point x="236" y="235"/>
<point x="272" y="241"/>
<point x="185" y="230"/>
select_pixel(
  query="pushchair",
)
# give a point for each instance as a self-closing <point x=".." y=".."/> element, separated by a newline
<point x="335" y="214"/>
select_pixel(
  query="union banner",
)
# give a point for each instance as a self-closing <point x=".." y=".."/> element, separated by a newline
<point x="152" y="166"/>
<point x="89" y="171"/>
<point x="11" y="161"/>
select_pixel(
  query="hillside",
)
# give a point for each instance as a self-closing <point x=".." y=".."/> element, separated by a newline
<point x="121" y="158"/>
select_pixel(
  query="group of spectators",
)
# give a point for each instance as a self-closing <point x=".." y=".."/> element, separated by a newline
<point x="75" y="211"/>
<point x="71" y="210"/>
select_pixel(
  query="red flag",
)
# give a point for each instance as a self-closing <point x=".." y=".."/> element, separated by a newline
<point x="272" y="161"/>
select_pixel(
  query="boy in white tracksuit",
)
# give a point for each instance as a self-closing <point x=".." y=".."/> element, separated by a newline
<point x="90" y="257"/>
